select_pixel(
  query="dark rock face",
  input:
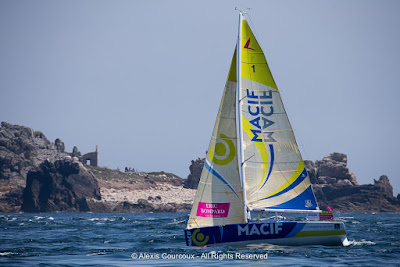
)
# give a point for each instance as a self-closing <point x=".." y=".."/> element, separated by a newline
<point x="11" y="201"/>
<point x="64" y="185"/>
<point x="76" y="152"/>
<point x="385" y="187"/>
<point x="195" y="172"/>
<point x="22" y="149"/>
<point x="60" y="146"/>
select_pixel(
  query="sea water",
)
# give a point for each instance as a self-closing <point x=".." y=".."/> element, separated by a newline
<point x="157" y="239"/>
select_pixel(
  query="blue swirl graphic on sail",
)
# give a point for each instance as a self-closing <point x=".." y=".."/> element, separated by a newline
<point x="271" y="150"/>
<point x="299" y="179"/>
<point x="216" y="174"/>
<point x="305" y="200"/>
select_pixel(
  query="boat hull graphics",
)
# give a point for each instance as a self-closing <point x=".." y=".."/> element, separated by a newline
<point x="272" y="232"/>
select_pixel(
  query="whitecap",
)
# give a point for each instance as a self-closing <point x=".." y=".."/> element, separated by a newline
<point x="360" y="243"/>
<point x="175" y="221"/>
<point x="6" y="253"/>
<point x="96" y="254"/>
<point x="102" y="219"/>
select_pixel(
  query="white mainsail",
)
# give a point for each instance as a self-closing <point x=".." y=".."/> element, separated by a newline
<point x="275" y="175"/>
<point x="219" y="199"/>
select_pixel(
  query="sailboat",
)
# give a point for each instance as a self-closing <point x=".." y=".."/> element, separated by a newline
<point x="253" y="166"/>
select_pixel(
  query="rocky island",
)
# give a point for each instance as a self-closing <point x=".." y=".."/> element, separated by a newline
<point x="37" y="175"/>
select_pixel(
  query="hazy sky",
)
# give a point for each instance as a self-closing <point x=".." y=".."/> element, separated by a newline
<point x="143" y="79"/>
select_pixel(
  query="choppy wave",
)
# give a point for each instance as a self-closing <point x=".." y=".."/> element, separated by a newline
<point x="110" y="239"/>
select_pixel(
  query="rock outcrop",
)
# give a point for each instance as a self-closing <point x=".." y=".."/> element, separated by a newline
<point x="195" y="172"/>
<point x="361" y="198"/>
<point x="336" y="186"/>
<point x="385" y="187"/>
<point x="56" y="181"/>
<point x="22" y="150"/>
<point x="64" y="185"/>
<point x="331" y="169"/>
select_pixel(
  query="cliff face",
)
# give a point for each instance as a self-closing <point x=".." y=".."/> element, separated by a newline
<point x="53" y="180"/>
<point x="195" y="172"/>
<point x="336" y="186"/>
<point x="332" y="169"/>
<point x="360" y="198"/>
<point x="64" y="185"/>
<point x="22" y="150"/>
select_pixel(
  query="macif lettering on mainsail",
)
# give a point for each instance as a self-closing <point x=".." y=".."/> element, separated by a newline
<point x="274" y="171"/>
<point x="218" y="200"/>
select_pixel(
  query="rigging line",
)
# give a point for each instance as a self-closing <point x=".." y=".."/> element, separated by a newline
<point x="242" y="98"/>
<point x="322" y="192"/>
<point x="316" y="178"/>
<point x="248" y="159"/>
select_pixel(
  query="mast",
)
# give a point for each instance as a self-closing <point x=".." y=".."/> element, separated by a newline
<point x="239" y="123"/>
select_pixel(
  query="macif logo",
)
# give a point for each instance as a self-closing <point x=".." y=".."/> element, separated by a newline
<point x="199" y="238"/>
<point x="224" y="150"/>
<point x="260" y="229"/>
<point x="246" y="46"/>
<point x="260" y="107"/>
